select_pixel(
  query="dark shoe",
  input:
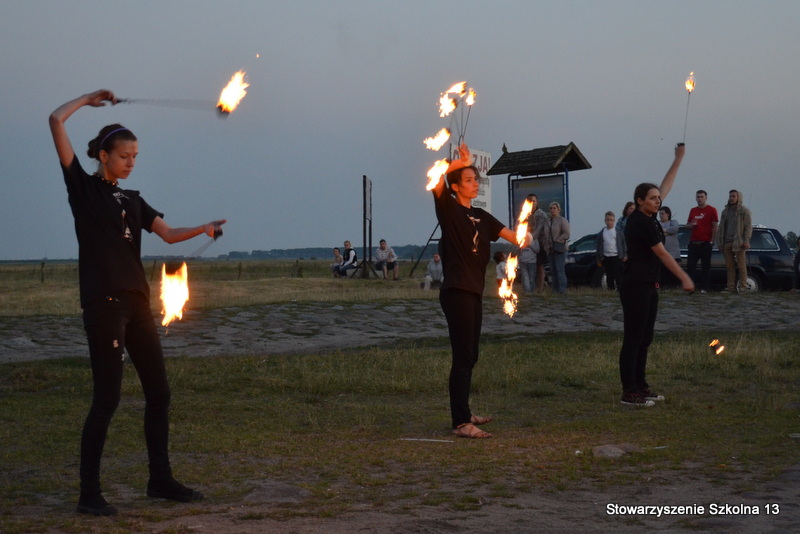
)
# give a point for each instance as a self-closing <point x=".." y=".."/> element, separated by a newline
<point x="650" y="395"/>
<point x="636" y="399"/>
<point x="173" y="490"/>
<point x="95" y="505"/>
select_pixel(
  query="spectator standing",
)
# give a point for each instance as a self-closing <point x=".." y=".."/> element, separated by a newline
<point x="704" y="222"/>
<point x="558" y="235"/>
<point x="386" y="260"/>
<point x="626" y="212"/>
<point x="611" y="251"/>
<point x="434" y="274"/>
<point x="527" y="264"/>
<point x="733" y="237"/>
<point x="537" y="226"/>
<point x="350" y="261"/>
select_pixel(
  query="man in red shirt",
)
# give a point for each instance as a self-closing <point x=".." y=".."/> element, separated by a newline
<point x="703" y="221"/>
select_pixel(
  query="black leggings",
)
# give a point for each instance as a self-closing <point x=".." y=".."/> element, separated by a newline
<point x="464" y="313"/>
<point x="119" y="322"/>
<point x="639" y="310"/>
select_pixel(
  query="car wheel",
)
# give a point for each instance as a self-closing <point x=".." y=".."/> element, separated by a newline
<point x="753" y="283"/>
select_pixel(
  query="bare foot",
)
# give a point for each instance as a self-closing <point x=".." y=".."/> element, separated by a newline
<point x="468" y="430"/>
<point x="480" y="420"/>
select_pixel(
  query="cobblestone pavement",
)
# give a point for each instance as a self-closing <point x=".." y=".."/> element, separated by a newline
<point x="306" y="326"/>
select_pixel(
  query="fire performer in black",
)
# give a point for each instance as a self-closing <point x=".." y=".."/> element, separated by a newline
<point x="465" y="247"/>
<point x="639" y="288"/>
<point x="115" y="298"/>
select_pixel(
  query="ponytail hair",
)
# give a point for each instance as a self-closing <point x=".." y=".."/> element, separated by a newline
<point x="107" y="139"/>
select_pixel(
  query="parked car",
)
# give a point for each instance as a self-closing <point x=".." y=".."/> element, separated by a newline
<point x="769" y="261"/>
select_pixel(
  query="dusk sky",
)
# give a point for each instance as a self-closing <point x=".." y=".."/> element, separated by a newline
<point x="344" y="89"/>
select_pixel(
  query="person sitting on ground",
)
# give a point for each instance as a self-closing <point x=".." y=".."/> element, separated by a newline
<point x="386" y="259"/>
<point x="338" y="259"/>
<point x="434" y="275"/>
<point x="500" y="260"/>
<point x="350" y="261"/>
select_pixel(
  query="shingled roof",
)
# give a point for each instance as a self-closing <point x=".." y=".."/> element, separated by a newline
<point x="540" y="161"/>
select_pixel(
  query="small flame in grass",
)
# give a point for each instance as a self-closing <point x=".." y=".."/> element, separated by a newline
<point x="690" y="82"/>
<point x="174" y="293"/>
<point x="436" y="172"/>
<point x="436" y="142"/>
<point x="716" y="347"/>
<point x="233" y="93"/>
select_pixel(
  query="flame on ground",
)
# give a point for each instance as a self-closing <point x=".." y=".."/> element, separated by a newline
<point x="719" y="348"/>
<point x="436" y="142"/>
<point x="174" y="293"/>
<point x="690" y="82"/>
<point x="233" y="93"/>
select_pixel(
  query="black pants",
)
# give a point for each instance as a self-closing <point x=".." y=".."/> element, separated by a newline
<point x="613" y="268"/>
<point x="702" y="252"/>
<point x="119" y="322"/>
<point x="639" y="310"/>
<point x="464" y="313"/>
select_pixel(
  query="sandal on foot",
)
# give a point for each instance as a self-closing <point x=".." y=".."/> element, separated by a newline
<point x="468" y="430"/>
<point x="480" y="420"/>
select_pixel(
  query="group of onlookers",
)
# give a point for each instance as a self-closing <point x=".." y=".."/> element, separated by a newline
<point x="730" y="232"/>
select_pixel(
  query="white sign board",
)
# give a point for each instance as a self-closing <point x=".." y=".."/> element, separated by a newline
<point x="483" y="161"/>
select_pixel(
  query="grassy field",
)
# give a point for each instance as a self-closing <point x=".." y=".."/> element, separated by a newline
<point x="346" y="426"/>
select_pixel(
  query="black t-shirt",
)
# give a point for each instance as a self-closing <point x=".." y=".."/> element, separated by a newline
<point x="465" y="243"/>
<point x="642" y="232"/>
<point x="108" y="223"/>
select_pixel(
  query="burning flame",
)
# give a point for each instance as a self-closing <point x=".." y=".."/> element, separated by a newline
<point x="436" y="172"/>
<point x="233" y="93"/>
<point x="506" y="286"/>
<point x="459" y="88"/>
<point x="470" y="97"/>
<point x="690" y="82"/>
<point x="436" y="142"/>
<point x="506" y="290"/>
<point x="446" y="105"/>
<point x="719" y="348"/>
<point x="174" y="293"/>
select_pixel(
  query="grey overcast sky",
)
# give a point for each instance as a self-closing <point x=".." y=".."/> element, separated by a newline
<point x="348" y="88"/>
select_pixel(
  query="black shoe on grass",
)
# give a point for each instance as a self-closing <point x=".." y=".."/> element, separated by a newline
<point x="636" y="399"/>
<point x="95" y="505"/>
<point x="172" y="490"/>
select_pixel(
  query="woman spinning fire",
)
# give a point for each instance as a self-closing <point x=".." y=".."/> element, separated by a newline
<point x="465" y="247"/>
<point x="115" y="298"/>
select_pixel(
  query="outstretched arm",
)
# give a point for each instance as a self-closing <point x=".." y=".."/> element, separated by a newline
<point x="59" y="117"/>
<point x="176" y="235"/>
<point x="669" y="178"/>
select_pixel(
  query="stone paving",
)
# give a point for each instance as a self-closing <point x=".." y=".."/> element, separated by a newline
<point x="307" y="326"/>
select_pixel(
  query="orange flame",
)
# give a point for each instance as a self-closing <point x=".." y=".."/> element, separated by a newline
<point x="522" y="227"/>
<point x="233" y="93"/>
<point x="690" y="82"/>
<point x="436" y="172"/>
<point x="719" y="348"/>
<point x="506" y="291"/>
<point x="436" y="142"/>
<point x="459" y="88"/>
<point x="174" y="293"/>
<point x="470" y="97"/>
